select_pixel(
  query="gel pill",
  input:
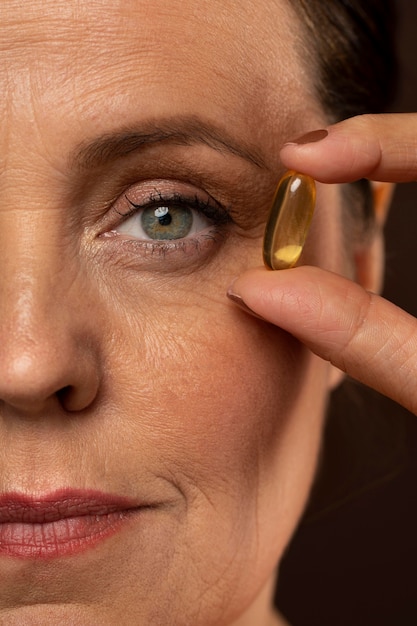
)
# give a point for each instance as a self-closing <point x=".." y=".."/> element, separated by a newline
<point x="289" y="220"/>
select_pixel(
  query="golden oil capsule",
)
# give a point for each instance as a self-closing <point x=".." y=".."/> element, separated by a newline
<point x="289" y="220"/>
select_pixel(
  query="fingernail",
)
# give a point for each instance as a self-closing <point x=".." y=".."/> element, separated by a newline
<point x="238" y="300"/>
<point x="311" y="137"/>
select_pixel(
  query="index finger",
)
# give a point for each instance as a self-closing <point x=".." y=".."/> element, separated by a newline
<point x="378" y="147"/>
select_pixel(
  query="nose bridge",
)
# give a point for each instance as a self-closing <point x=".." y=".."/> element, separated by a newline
<point x="35" y="282"/>
<point x="44" y="348"/>
<point x="33" y="258"/>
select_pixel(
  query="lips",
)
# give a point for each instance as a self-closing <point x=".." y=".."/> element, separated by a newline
<point x="61" y="523"/>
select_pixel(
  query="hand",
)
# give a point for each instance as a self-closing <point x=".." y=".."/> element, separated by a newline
<point x="378" y="147"/>
<point x="364" y="335"/>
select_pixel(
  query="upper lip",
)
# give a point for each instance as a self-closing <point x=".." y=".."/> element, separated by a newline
<point x="65" y="503"/>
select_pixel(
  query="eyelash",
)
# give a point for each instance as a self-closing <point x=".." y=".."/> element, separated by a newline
<point x="210" y="209"/>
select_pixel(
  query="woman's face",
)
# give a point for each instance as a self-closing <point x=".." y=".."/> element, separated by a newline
<point x="158" y="443"/>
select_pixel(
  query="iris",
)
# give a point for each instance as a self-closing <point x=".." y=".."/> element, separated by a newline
<point x="167" y="222"/>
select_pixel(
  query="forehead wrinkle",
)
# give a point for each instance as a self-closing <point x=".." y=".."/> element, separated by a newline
<point x="100" y="24"/>
<point x="130" y="61"/>
<point x="102" y="54"/>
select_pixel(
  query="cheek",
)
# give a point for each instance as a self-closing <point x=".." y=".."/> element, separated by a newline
<point x="214" y="378"/>
<point x="229" y="409"/>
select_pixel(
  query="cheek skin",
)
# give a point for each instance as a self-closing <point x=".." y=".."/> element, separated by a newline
<point x="228" y="409"/>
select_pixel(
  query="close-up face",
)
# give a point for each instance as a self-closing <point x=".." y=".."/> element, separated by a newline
<point x="158" y="443"/>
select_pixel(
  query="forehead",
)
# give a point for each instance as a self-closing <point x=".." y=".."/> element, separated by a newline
<point x="99" y="60"/>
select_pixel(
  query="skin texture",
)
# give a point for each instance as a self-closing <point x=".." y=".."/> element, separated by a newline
<point x="124" y="368"/>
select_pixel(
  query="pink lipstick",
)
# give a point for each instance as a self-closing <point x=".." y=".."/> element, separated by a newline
<point x="60" y="523"/>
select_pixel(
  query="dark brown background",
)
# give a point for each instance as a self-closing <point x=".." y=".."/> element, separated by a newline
<point x="353" y="561"/>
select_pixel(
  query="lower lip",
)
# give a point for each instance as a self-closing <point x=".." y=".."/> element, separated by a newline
<point x="59" y="538"/>
<point x="31" y="529"/>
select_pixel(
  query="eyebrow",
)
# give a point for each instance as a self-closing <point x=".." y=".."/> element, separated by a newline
<point x="182" y="131"/>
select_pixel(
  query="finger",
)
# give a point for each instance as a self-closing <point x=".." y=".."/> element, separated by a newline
<point x="364" y="335"/>
<point x="378" y="147"/>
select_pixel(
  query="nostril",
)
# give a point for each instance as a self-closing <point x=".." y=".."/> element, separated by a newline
<point x="74" y="398"/>
<point x="65" y="394"/>
<point x="49" y="356"/>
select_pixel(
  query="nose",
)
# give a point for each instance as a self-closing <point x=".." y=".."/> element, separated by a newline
<point x="44" y="367"/>
<point x="48" y="354"/>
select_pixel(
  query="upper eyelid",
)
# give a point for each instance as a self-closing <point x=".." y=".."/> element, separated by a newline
<point x="210" y="205"/>
<point x="238" y="191"/>
<point x="215" y="216"/>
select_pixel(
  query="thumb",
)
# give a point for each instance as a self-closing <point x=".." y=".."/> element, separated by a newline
<point x="359" y="332"/>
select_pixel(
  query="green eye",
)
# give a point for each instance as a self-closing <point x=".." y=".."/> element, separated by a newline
<point x="169" y="220"/>
<point x="174" y="222"/>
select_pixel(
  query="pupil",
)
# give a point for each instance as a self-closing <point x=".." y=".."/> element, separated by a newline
<point x="165" y="220"/>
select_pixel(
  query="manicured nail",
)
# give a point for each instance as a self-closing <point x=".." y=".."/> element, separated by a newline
<point x="311" y="137"/>
<point x="238" y="300"/>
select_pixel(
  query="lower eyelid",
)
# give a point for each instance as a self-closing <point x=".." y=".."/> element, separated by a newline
<point x="183" y="255"/>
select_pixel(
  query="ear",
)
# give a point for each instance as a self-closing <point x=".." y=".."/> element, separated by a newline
<point x="369" y="258"/>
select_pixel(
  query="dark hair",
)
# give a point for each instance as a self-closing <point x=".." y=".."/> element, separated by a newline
<point x="354" y="44"/>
